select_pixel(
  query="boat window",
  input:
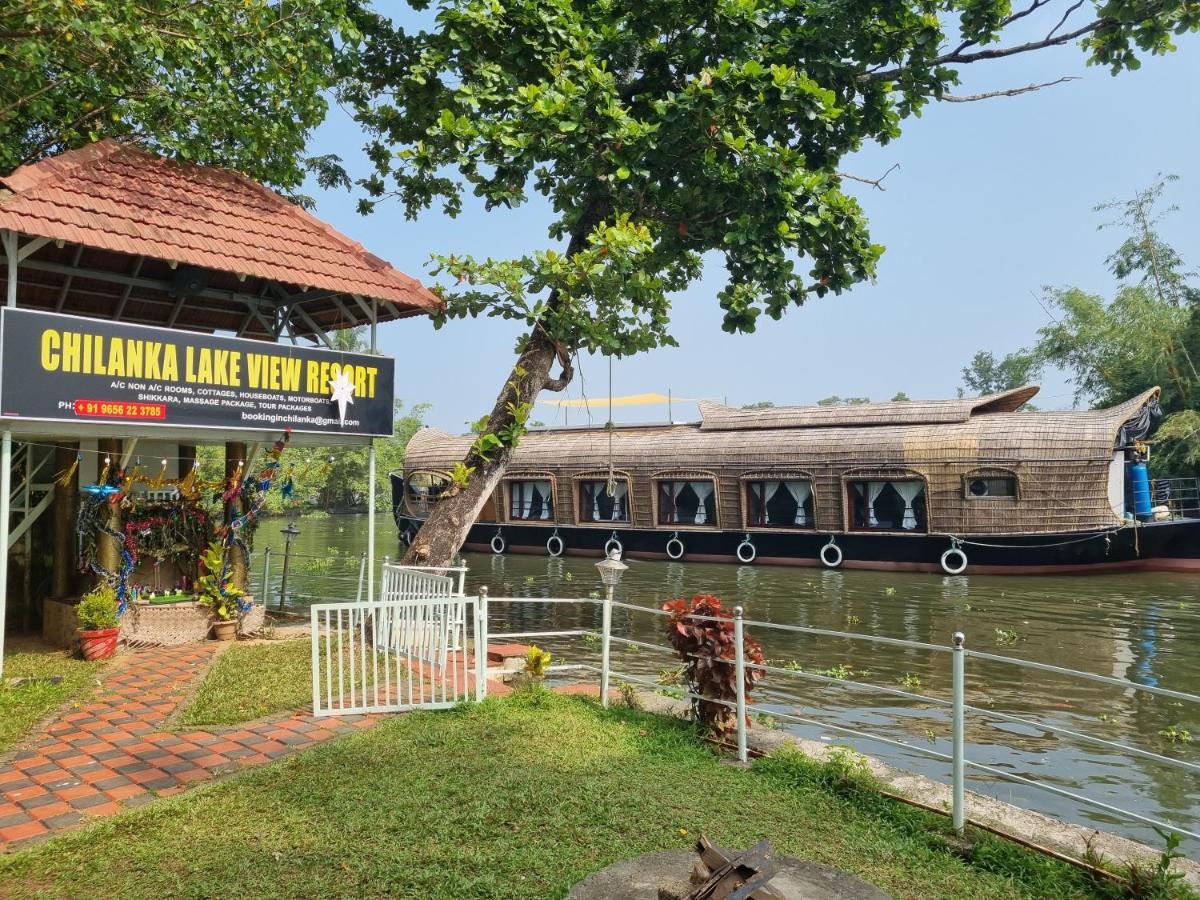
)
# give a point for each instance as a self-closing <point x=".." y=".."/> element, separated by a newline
<point x="991" y="486"/>
<point x="690" y="502"/>
<point x="894" y="505"/>
<point x="530" y="500"/>
<point x="596" y="504"/>
<point x="779" y="504"/>
<point x="422" y="491"/>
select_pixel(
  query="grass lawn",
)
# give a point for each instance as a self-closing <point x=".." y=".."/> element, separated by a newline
<point x="253" y="680"/>
<point x="24" y="705"/>
<point x="513" y="798"/>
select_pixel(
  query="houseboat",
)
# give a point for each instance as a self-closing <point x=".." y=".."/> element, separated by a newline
<point x="966" y="485"/>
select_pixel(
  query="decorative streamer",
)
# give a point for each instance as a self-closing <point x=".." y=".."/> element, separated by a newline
<point x="67" y="475"/>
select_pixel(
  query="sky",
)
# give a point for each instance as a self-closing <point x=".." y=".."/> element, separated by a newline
<point x="991" y="201"/>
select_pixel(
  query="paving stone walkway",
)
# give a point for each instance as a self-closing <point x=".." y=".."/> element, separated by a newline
<point x="119" y="750"/>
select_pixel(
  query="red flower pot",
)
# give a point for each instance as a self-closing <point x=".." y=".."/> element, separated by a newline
<point x="100" y="644"/>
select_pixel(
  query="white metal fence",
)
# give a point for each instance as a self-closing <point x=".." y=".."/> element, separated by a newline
<point x="416" y="646"/>
<point x="958" y="710"/>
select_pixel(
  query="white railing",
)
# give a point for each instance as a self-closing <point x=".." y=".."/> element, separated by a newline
<point x="956" y="705"/>
<point x="410" y="648"/>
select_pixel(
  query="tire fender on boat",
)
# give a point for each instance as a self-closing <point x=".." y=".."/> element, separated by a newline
<point x="675" y="548"/>
<point x="831" y="554"/>
<point x="746" y="551"/>
<point x="954" y="560"/>
<point x="498" y="544"/>
<point x="613" y="543"/>
<point x="555" y="545"/>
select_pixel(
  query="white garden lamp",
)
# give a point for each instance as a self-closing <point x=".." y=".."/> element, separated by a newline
<point x="611" y="569"/>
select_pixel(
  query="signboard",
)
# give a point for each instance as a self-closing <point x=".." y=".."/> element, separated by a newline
<point x="71" y="369"/>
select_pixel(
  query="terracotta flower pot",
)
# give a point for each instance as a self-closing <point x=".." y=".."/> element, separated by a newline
<point x="98" y="644"/>
<point x="225" y="631"/>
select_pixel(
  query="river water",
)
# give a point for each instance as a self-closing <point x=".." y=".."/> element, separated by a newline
<point x="1142" y="627"/>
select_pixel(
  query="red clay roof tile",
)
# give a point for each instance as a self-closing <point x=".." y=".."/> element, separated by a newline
<point x="113" y="196"/>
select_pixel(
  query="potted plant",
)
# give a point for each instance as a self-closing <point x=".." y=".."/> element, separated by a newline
<point x="219" y="593"/>
<point x="99" y="622"/>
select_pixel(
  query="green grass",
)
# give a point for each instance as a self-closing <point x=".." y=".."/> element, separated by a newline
<point x="24" y="705"/>
<point x="512" y="798"/>
<point x="253" y="680"/>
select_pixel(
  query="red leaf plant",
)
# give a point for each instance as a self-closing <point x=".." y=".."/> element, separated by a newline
<point x="706" y="648"/>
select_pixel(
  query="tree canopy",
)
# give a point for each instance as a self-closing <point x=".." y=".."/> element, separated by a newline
<point x="236" y="84"/>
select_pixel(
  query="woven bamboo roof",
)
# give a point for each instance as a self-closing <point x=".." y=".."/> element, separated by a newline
<point x="987" y="435"/>
<point x="114" y="226"/>
<point x="716" y="417"/>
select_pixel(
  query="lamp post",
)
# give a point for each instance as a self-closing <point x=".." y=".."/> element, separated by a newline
<point x="289" y="537"/>
<point x="611" y="569"/>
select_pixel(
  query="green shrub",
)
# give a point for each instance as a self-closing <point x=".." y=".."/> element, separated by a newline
<point x="98" y="608"/>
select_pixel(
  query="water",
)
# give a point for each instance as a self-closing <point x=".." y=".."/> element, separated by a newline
<point x="1144" y="627"/>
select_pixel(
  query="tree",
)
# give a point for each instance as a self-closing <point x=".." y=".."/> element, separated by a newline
<point x="901" y="397"/>
<point x="835" y="400"/>
<point x="235" y="84"/>
<point x="760" y="404"/>
<point x="987" y="375"/>
<point x="660" y="132"/>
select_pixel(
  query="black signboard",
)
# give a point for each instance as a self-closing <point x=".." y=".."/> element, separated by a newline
<point x="72" y="369"/>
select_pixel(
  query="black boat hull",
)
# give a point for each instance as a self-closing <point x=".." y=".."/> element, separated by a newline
<point x="1172" y="546"/>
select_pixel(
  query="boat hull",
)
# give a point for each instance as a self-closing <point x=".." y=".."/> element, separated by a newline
<point x="1171" y="546"/>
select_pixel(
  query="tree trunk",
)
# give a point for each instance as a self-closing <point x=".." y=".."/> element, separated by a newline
<point x="445" y="530"/>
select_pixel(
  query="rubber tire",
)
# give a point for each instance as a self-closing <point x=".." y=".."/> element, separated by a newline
<point x="836" y="549"/>
<point x="561" y="546"/>
<point x="753" y="553"/>
<point x="503" y="546"/>
<point x="682" y="550"/>
<point x="946" y="567"/>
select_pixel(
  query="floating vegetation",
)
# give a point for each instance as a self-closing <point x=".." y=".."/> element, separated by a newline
<point x="1176" y="735"/>
<point x="840" y="672"/>
<point x="1004" y="636"/>
<point x="890" y="591"/>
<point x="910" y="681"/>
<point x="851" y="621"/>
<point x="592" y="640"/>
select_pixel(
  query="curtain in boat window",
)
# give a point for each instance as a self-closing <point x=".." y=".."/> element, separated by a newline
<point x="676" y="498"/>
<point x="530" y="500"/>
<point x="704" y="490"/>
<point x="874" y="489"/>
<point x="908" y="491"/>
<point x="596" y="505"/>
<point x="897" y="505"/>
<point x="779" y="504"/>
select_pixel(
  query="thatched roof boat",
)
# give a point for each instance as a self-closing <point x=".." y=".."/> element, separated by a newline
<point x="887" y="483"/>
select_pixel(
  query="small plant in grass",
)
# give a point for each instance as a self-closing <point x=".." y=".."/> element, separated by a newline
<point x="1176" y="735"/>
<point x="671" y="676"/>
<point x="847" y="769"/>
<point x="629" y="695"/>
<point x="766" y="720"/>
<point x="537" y="661"/>
<point x="1154" y="881"/>
<point x="706" y="649"/>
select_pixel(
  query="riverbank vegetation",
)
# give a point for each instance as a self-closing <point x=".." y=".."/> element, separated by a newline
<point x="514" y="798"/>
<point x="1146" y="334"/>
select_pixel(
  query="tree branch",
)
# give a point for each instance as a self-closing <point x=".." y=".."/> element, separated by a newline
<point x="1010" y="92"/>
<point x="876" y="183"/>
<point x="568" y="371"/>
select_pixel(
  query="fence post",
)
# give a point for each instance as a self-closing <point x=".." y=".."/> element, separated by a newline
<point x="266" y="582"/>
<point x="481" y="641"/>
<point x="739" y="659"/>
<point x="362" y="571"/>
<point x="958" y="679"/>
<point x="606" y="644"/>
<point x="462" y="577"/>
<point x="316" y="660"/>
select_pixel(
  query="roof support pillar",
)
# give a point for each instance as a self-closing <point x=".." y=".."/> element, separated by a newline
<point x="5" y="493"/>
<point x="10" y="256"/>
<point x="235" y="473"/>
<point x="66" y="508"/>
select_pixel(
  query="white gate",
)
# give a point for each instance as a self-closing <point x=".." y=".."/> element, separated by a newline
<point x="416" y="646"/>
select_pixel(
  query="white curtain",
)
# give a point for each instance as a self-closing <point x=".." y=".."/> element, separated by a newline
<point x="874" y="489"/>
<point x="800" y="491"/>
<point x="704" y="490"/>
<point x="769" y="489"/>
<point x="519" y="509"/>
<point x="677" y="488"/>
<point x="596" y="489"/>
<point x="909" y="491"/>
<point x="619" y="495"/>
<point x="543" y="488"/>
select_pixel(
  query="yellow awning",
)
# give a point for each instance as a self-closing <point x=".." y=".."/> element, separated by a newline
<point x="627" y="400"/>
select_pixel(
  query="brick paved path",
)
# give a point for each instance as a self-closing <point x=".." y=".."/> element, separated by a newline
<point x="116" y="752"/>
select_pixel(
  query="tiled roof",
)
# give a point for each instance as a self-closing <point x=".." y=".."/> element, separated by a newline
<point x="116" y="197"/>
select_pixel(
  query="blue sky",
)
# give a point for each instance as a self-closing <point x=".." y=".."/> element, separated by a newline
<point x="991" y="201"/>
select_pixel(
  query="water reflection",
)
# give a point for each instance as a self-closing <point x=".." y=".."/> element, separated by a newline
<point x="1145" y="627"/>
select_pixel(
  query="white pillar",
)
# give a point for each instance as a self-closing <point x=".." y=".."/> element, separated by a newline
<point x="5" y="491"/>
<point x="371" y="523"/>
